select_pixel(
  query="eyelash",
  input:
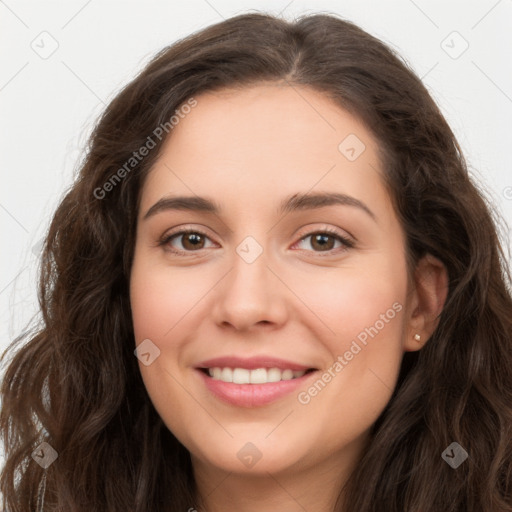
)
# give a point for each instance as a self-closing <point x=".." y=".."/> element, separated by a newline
<point x="346" y="242"/>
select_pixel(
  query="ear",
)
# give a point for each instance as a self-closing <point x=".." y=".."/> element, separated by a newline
<point x="430" y="288"/>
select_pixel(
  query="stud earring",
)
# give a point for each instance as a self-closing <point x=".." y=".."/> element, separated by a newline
<point x="417" y="337"/>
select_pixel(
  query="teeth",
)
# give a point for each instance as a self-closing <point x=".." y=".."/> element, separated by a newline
<point x="257" y="376"/>
<point x="241" y="376"/>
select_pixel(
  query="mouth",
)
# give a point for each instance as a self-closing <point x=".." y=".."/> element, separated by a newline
<point x="252" y="383"/>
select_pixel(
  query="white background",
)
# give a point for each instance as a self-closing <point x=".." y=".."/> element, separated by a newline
<point x="49" y="104"/>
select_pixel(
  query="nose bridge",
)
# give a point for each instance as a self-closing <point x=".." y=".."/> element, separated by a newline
<point x="250" y="292"/>
<point x="250" y="266"/>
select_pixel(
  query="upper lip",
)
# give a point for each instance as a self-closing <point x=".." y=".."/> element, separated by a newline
<point x="251" y="363"/>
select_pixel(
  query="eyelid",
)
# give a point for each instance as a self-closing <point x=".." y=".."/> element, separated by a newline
<point x="327" y="229"/>
<point x="347" y="242"/>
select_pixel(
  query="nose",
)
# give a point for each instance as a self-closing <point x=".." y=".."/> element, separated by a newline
<point x="251" y="294"/>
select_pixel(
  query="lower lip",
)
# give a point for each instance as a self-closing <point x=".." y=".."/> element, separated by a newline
<point x="252" y="395"/>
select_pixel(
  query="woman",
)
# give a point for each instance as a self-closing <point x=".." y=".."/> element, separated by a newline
<point x="340" y="339"/>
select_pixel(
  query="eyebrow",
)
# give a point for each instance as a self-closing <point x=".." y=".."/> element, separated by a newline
<point x="292" y="203"/>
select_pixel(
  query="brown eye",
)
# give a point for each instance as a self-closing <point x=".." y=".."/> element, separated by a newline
<point x="322" y="241"/>
<point x="325" y="241"/>
<point x="190" y="241"/>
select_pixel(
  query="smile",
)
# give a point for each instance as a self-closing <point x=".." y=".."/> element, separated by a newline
<point x="252" y="381"/>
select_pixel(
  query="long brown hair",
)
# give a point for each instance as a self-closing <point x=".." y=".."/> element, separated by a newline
<point x="76" y="384"/>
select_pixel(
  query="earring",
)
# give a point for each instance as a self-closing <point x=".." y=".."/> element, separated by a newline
<point x="417" y="337"/>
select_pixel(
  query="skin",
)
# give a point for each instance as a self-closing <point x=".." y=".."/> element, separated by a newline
<point x="247" y="150"/>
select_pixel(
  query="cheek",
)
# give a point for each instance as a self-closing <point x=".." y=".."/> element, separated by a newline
<point x="160" y="300"/>
<point x="161" y="297"/>
<point x="362" y="313"/>
<point x="360" y="302"/>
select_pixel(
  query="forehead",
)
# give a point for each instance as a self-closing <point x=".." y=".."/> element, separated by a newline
<point x="264" y="141"/>
<point x="270" y="120"/>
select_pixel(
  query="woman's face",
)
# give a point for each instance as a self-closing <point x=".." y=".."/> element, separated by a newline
<point x="278" y="276"/>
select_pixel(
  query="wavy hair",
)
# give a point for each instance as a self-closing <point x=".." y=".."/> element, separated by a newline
<point x="75" y="382"/>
